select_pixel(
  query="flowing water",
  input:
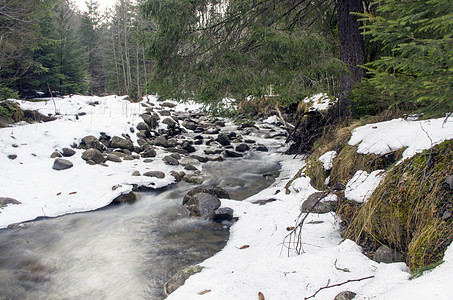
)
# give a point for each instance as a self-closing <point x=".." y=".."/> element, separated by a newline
<point x="121" y="251"/>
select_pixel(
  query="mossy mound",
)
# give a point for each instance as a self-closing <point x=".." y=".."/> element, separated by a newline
<point x="10" y="112"/>
<point x="411" y="210"/>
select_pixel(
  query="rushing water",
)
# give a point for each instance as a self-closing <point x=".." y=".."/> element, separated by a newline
<point x="121" y="251"/>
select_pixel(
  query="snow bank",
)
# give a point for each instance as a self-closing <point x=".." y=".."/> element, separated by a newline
<point x="362" y="185"/>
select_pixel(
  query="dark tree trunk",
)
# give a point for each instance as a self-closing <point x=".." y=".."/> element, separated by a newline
<point x="351" y="49"/>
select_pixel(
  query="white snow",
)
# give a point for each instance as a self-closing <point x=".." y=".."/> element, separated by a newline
<point x="265" y="265"/>
<point x="327" y="159"/>
<point x="362" y="185"/>
<point x="319" y="102"/>
<point x="380" y="138"/>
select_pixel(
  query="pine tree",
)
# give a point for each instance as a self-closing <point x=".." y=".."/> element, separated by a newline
<point x="418" y="68"/>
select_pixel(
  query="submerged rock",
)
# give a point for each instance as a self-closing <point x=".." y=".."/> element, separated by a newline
<point x="180" y="277"/>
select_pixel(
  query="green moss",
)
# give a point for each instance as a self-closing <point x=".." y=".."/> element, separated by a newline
<point x="408" y="210"/>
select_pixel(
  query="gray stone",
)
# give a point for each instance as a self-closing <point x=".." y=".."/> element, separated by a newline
<point x="385" y="254"/>
<point x="163" y="141"/>
<point x="151" y="120"/>
<point x="91" y="141"/>
<point x="142" y="126"/>
<point x="122" y="143"/>
<point x="7" y="200"/>
<point x="223" y="214"/>
<point x="136" y="173"/>
<point x="242" y="148"/>
<point x="149" y="151"/>
<point x="169" y="160"/>
<point x="322" y="207"/>
<point x="202" y="205"/>
<point x="156" y="174"/>
<point x="114" y="158"/>
<point x="223" y="139"/>
<point x="449" y="181"/>
<point x="229" y="153"/>
<point x="56" y="154"/>
<point x="169" y="122"/>
<point x="177" y="175"/>
<point x="125" y="198"/>
<point x="180" y="278"/>
<point x="93" y="155"/>
<point x="12" y="156"/>
<point x="189" y="124"/>
<point x="61" y="164"/>
<point x="346" y="295"/>
<point x="190" y="168"/>
<point x="196" y="178"/>
<point x="188" y="147"/>
<point x="261" y="148"/>
<point x="213" y="190"/>
<point x="199" y="158"/>
<point x="189" y="161"/>
<point x="68" y="152"/>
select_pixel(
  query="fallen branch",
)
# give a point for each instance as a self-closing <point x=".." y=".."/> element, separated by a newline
<point x="338" y="284"/>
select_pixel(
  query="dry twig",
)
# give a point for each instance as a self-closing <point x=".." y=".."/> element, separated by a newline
<point x="337" y="284"/>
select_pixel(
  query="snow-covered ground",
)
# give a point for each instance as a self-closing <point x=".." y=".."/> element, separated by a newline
<point x="256" y="258"/>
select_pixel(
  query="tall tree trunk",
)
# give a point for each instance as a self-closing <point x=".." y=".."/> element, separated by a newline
<point x="351" y="49"/>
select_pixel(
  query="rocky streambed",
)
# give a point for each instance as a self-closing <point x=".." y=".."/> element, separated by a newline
<point x="131" y="250"/>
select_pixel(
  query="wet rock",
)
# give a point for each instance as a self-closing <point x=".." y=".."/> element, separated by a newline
<point x="179" y="278"/>
<point x="156" y="174"/>
<point x="91" y="141"/>
<point x="177" y="175"/>
<point x="125" y="198"/>
<point x="223" y="214"/>
<point x="169" y="160"/>
<point x="242" y="148"/>
<point x="212" y="131"/>
<point x="199" y="158"/>
<point x="196" y="178"/>
<point x="229" y="153"/>
<point x="68" y="152"/>
<point x="216" y="158"/>
<point x="385" y="254"/>
<point x="262" y="148"/>
<point x="190" y="167"/>
<point x="62" y="164"/>
<point x="7" y="200"/>
<point x="189" y="124"/>
<point x="346" y="295"/>
<point x="188" y="147"/>
<point x="114" y="158"/>
<point x="93" y="155"/>
<point x="223" y="139"/>
<point x="56" y="154"/>
<point x="122" y="143"/>
<point x="214" y="190"/>
<point x="202" y="205"/>
<point x="322" y="207"/>
<point x="248" y="141"/>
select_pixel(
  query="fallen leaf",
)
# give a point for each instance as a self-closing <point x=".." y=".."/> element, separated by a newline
<point x="374" y="127"/>
<point x="289" y="228"/>
<point x="72" y="193"/>
<point x="260" y="296"/>
<point x="59" y="193"/>
<point x="204" y="292"/>
<point x="244" y="247"/>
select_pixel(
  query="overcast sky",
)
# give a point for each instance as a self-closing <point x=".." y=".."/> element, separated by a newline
<point x="102" y="3"/>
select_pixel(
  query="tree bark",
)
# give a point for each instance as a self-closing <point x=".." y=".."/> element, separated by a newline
<point x="351" y="49"/>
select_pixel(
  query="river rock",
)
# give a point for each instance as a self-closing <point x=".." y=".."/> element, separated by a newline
<point x="125" y="198"/>
<point x="189" y="161"/>
<point x="151" y="120"/>
<point x="214" y="190"/>
<point x="186" y="145"/>
<point x="387" y="255"/>
<point x="169" y="122"/>
<point x="136" y="173"/>
<point x="163" y="141"/>
<point x="122" y="143"/>
<point x="170" y="160"/>
<point x="242" y="148"/>
<point x="114" y="158"/>
<point x="229" y="153"/>
<point x="93" y="155"/>
<point x="346" y="295"/>
<point x="91" y="141"/>
<point x="61" y="164"/>
<point x="261" y="148"/>
<point x="324" y="206"/>
<point x="223" y="139"/>
<point x="202" y="205"/>
<point x="189" y="124"/>
<point x="195" y="177"/>
<point x="180" y="277"/>
<point x="68" y="152"/>
<point x="177" y="175"/>
<point x="56" y="154"/>
<point x="149" y="151"/>
<point x="223" y="214"/>
<point x="156" y="174"/>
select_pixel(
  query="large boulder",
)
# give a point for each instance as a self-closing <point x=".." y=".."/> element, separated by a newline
<point x="202" y="205"/>
<point x="170" y="160"/>
<point x="61" y="164"/>
<point x="93" y="155"/>
<point x="163" y="141"/>
<point x="189" y="124"/>
<point x="125" y="198"/>
<point x="169" y="122"/>
<point x="223" y="139"/>
<point x="151" y="120"/>
<point x="122" y="143"/>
